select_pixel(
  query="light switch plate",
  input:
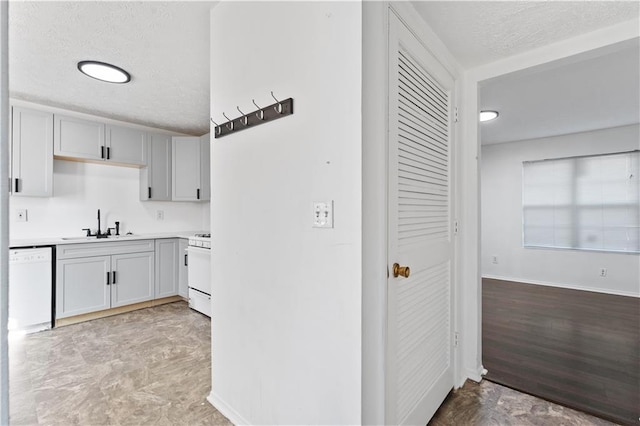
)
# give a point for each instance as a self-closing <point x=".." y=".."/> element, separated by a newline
<point x="323" y="214"/>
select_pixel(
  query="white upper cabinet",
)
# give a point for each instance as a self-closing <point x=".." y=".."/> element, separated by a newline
<point x="155" y="179"/>
<point x="80" y="139"/>
<point x="191" y="168"/>
<point x="75" y="138"/>
<point x="126" y="145"/>
<point x="205" y="167"/>
<point x="31" y="153"/>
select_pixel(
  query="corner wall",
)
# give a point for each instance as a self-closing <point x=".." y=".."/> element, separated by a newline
<point x="501" y="178"/>
<point x="286" y="325"/>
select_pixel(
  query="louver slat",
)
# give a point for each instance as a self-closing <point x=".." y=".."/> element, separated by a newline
<point x="423" y="171"/>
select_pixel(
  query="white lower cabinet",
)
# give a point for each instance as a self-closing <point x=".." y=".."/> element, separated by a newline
<point x="183" y="270"/>
<point x="81" y="285"/>
<point x="96" y="276"/>
<point x="132" y="278"/>
<point x="167" y="259"/>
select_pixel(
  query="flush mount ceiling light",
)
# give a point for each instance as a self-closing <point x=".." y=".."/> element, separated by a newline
<point x="488" y="115"/>
<point x="104" y="72"/>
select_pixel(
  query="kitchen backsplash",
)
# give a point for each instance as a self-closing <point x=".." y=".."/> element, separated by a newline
<point x="80" y="189"/>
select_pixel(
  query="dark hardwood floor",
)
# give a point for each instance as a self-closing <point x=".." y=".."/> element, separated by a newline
<point x="577" y="348"/>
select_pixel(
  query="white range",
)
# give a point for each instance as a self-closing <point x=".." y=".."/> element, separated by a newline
<point x="199" y="264"/>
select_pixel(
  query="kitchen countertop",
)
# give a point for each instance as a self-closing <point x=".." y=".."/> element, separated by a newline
<point x="54" y="241"/>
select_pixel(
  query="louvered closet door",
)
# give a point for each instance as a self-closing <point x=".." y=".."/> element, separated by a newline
<point x="419" y="311"/>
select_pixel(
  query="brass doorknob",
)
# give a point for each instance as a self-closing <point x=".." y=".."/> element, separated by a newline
<point x="401" y="271"/>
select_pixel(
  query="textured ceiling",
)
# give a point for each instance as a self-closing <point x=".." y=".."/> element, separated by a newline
<point x="480" y="32"/>
<point x="587" y="94"/>
<point x="164" y="45"/>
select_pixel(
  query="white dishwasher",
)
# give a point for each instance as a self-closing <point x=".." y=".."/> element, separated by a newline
<point x="30" y="289"/>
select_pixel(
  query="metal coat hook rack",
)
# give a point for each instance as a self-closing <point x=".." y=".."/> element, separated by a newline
<point x="260" y="116"/>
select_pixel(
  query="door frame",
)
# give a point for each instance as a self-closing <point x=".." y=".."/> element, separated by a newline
<point x="374" y="192"/>
<point x="468" y="357"/>
<point x="469" y="161"/>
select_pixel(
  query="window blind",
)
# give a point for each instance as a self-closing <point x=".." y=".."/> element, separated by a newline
<point x="585" y="203"/>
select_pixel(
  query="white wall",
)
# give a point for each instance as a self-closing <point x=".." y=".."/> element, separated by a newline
<point x="501" y="178"/>
<point x="286" y="326"/>
<point x="80" y="189"/>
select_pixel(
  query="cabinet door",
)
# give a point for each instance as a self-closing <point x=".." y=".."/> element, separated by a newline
<point x="155" y="179"/>
<point x="77" y="138"/>
<point x="132" y="278"/>
<point x="126" y="145"/>
<point x="31" y="153"/>
<point x="82" y="286"/>
<point x="183" y="270"/>
<point x="205" y="168"/>
<point x="186" y="168"/>
<point x="167" y="261"/>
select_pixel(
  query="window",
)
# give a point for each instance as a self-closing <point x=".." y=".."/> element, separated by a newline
<point x="585" y="203"/>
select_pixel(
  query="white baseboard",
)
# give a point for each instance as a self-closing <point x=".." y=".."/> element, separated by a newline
<point x="226" y="410"/>
<point x="475" y="375"/>
<point x="567" y="286"/>
<point x="469" y="374"/>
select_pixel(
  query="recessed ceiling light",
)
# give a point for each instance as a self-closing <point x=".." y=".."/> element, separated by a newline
<point x="488" y="115"/>
<point x="104" y="72"/>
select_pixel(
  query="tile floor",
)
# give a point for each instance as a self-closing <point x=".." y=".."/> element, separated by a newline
<point x="153" y="367"/>
<point x="490" y="404"/>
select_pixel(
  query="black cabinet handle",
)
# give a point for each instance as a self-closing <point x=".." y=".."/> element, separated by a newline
<point x="102" y="151"/>
<point x="108" y="278"/>
<point x="198" y="193"/>
<point x="149" y="192"/>
<point x="186" y="263"/>
<point x="113" y="280"/>
<point x="108" y="153"/>
<point x="16" y="185"/>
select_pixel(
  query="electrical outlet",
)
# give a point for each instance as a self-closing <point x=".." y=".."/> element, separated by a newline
<point x="323" y="214"/>
<point x="603" y="272"/>
<point x="21" y="215"/>
<point x="159" y="214"/>
<point x="494" y="259"/>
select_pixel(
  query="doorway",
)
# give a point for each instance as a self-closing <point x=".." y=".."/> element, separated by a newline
<point x="552" y="324"/>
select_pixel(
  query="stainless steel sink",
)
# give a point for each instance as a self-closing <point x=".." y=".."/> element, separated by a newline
<point x="78" y="238"/>
<point x="93" y="238"/>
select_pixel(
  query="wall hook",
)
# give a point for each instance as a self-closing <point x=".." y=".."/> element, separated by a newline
<point x="279" y="107"/>
<point x="230" y="123"/>
<point x="254" y="118"/>
<point x="244" y="119"/>
<point x="218" y="128"/>
<point x="260" y="112"/>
